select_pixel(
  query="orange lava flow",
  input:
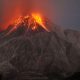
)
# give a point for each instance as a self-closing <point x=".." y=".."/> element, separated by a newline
<point x="15" y="24"/>
<point x="38" y="19"/>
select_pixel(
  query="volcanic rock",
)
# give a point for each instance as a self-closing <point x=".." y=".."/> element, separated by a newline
<point x="73" y="36"/>
<point x="39" y="55"/>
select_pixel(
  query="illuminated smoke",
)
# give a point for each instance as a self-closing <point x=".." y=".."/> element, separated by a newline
<point x="12" y="9"/>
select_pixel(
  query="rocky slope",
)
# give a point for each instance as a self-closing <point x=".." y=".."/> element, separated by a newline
<point x="73" y="36"/>
<point x="40" y="55"/>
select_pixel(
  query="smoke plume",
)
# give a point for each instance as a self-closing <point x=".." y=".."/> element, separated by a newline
<point x="11" y="9"/>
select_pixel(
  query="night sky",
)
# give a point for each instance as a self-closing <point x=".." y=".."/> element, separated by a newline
<point x="65" y="13"/>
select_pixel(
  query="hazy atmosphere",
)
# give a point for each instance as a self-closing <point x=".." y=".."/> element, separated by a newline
<point x="39" y="39"/>
<point x="65" y="13"/>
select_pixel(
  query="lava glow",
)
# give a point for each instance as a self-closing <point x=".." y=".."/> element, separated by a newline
<point x="30" y="21"/>
<point x="38" y="19"/>
<point x="18" y="21"/>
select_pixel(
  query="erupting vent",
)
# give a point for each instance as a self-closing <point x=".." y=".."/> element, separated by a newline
<point x="30" y="21"/>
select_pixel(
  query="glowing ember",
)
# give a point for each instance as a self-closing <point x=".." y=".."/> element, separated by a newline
<point x="30" y="21"/>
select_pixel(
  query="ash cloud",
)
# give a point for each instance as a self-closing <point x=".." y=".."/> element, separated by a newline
<point x="62" y="12"/>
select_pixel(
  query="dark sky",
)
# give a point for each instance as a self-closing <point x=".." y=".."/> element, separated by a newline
<point x="65" y="13"/>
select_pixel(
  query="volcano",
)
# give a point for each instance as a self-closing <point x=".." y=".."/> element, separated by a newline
<point x="29" y="24"/>
<point x="33" y="48"/>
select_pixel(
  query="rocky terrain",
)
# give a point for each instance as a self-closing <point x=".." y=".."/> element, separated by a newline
<point x="40" y="55"/>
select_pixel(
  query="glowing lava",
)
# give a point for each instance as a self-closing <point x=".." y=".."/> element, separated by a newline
<point x="30" y="21"/>
<point x="38" y="19"/>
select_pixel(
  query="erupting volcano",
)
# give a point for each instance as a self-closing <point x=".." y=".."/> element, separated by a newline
<point x="33" y="47"/>
<point x="32" y="22"/>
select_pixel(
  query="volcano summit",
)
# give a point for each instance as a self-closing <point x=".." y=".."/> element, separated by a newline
<point x="32" y="22"/>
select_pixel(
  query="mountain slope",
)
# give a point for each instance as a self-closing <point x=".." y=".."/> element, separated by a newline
<point x="44" y="53"/>
<point x="27" y="54"/>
